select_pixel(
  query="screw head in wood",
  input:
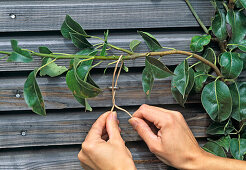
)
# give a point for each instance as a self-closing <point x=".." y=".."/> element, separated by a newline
<point x="12" y="16"/>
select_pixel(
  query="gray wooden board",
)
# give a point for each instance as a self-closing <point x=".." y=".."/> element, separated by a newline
<point x="65" y="158"/>
<point x="179" y="40"/>
<point x="58" y="96"/>
<point x="97" y="14"/>
<point x="23" y="129"/>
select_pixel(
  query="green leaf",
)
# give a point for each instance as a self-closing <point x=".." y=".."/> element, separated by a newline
<point x="103" y="52"/>
<point x="200" y="79"/>
<point x="32" y="94"/>
<point x="243" y="57"/>
<point x="199" y="41"/>
<point x="52" y="69"/>
<point x="224" y="142"/>
<point x="209" y="54"/>
<point x="87" y="51"/>
<point x="231" y="64"/>
<point x="76" y="82"/>
<point x="238" y="100"/>
<point x="175" y="92"/>
<point x="126" y="69"/>
<point x="241" y="46"/>
<point x="44" y="50"/>
<point x="147" y="81"/>
<point x="243" y="3"/>
<point x="151" y="41"/>
<point x="134" y="44"/>
<point x="237" y="21"/>
<point x="19" y="55"/>
<point x="71" y="26"/>
<point x="181" y="77"/>
<point x="223" y="128"/>
<point x="215" y="149"/>
<point x="217" y="101"/>
<point x="80" y="41"/>
<point x="238" y="148"/>
<point x="158" y="69"/>
<point x="79" y="87"/>
<point x="219" y="25"/>
<point x="84" y="102"/>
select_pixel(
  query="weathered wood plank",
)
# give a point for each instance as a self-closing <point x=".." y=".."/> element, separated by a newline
<point x="179" y="40"/>
<point x="70" y="127"/>
<point x="96" y="14"/>
<point x="57" y="95"/>
<point x="56" y="158"/>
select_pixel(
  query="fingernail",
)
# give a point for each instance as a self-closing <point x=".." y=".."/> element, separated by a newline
<point x="133" y="122"/>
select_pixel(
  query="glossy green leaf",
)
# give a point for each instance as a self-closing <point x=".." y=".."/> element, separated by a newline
<point x="175" y="92"/>
<point x="219" y="25"/>
<point x="236" y="102"/>
<point x="200" y="79"/>
<point x="209" y="54"/>
<point x="243" y="57"/>
<point x="223" y="128"/>
<point x="71" y="26"/>
<point x="147" y="81"/>
<point x="215" y="149"/>
<point x="241" y="46"/>
<point x="199" y="41"/>
<point x="181" y="77"/>
<point x="224" y="142"/>
<point x="79" y="87"/>
<point x="84" y="102"/>
<point x="158" y="69"/>
<point x="52" y="69"/>
<point x="19" y="55"/>
<point x="231" y="64"/>
<point x="134" y="44"/>
<point x="80" y="41"/>
<point x="76" y="80"/>
<point x="151" y="41"/>
<point x="238" y="148"/>
<point x="103" y="52"/>
<point x="217" y="101"/>
<point x="237" y="21"/>
<point x="32" y="94"/>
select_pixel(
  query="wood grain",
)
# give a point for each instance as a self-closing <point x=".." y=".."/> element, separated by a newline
<point x="24" y="129"/>
<point x="178" y="40"/>
<point x="65" y="157"/>
<point x="95" y="14"/>
<point x="58" y="96"/>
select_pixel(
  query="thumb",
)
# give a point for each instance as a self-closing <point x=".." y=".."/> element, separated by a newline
<point x="113" y="127"/>
<point x="144" y="131"/>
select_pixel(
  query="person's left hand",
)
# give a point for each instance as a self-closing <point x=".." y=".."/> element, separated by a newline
<point x="99" y="153"/>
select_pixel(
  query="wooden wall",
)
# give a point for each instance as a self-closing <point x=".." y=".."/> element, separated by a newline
<point x="29" y="141"/>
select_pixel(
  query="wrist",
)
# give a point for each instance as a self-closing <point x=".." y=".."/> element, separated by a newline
<point x="126" y="164"/>
<point x="199" y="160"/>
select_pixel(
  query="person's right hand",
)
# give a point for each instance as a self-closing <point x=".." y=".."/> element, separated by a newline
<point x="172" y="141"/>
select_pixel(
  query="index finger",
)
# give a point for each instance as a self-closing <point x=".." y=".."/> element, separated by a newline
<point x="95" y="133"/>
<point x="155" y="115"/>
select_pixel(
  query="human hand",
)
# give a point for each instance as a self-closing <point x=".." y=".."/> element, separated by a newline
<point x="99" y="153"/>
<point x="167" y="136"/>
